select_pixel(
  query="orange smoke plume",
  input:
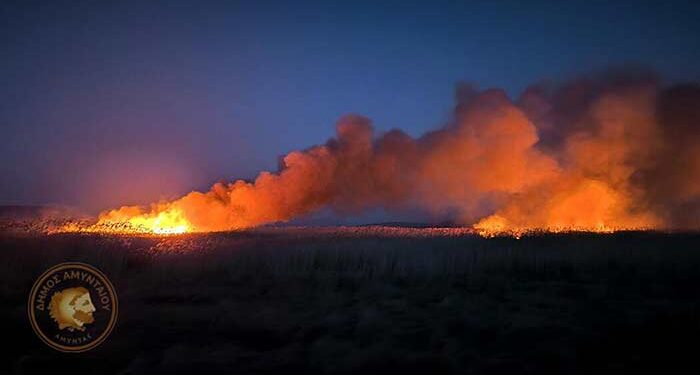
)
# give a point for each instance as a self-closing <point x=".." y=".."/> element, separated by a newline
<point x="601" y="153"/>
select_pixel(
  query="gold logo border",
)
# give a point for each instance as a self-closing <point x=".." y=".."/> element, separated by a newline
<point x="102" y="336"/>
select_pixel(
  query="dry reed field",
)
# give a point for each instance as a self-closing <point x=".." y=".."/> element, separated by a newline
<point x="375" y="299"/>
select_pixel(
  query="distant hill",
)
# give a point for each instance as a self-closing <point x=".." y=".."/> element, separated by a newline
<point x="409" y="224"/>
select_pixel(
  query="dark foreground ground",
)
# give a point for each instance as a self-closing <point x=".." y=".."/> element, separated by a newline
<point x="346" y="301"/>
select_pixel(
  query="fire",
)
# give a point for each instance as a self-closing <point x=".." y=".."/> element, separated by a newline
<point x="587" y="206"/>
<point x="166" y="222"/>
<point x="128" y="220"/>
<point x="598" y="155"/>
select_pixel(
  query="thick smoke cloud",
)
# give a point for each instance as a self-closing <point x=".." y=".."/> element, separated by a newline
<point x="608" y="151"/>
<point x="672" y="181"/>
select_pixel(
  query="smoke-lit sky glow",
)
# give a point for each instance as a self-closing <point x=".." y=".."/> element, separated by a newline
<point x="103" y="105"/>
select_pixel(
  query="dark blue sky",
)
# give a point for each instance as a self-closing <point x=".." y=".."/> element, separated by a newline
<point x="108" y="104"/>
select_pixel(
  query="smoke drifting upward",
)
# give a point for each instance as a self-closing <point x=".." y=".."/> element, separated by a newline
<point x="604" y="152"/>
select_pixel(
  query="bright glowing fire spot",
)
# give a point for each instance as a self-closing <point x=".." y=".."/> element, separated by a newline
<point x="128" y="221"/>
<point x="495" y="225"/>
<point x="166" y="222"/>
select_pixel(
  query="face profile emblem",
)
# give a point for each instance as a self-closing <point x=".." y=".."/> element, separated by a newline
<point x="73" y="307"/>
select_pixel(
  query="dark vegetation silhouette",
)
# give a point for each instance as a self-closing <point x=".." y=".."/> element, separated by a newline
<point x="349" y="300"/>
